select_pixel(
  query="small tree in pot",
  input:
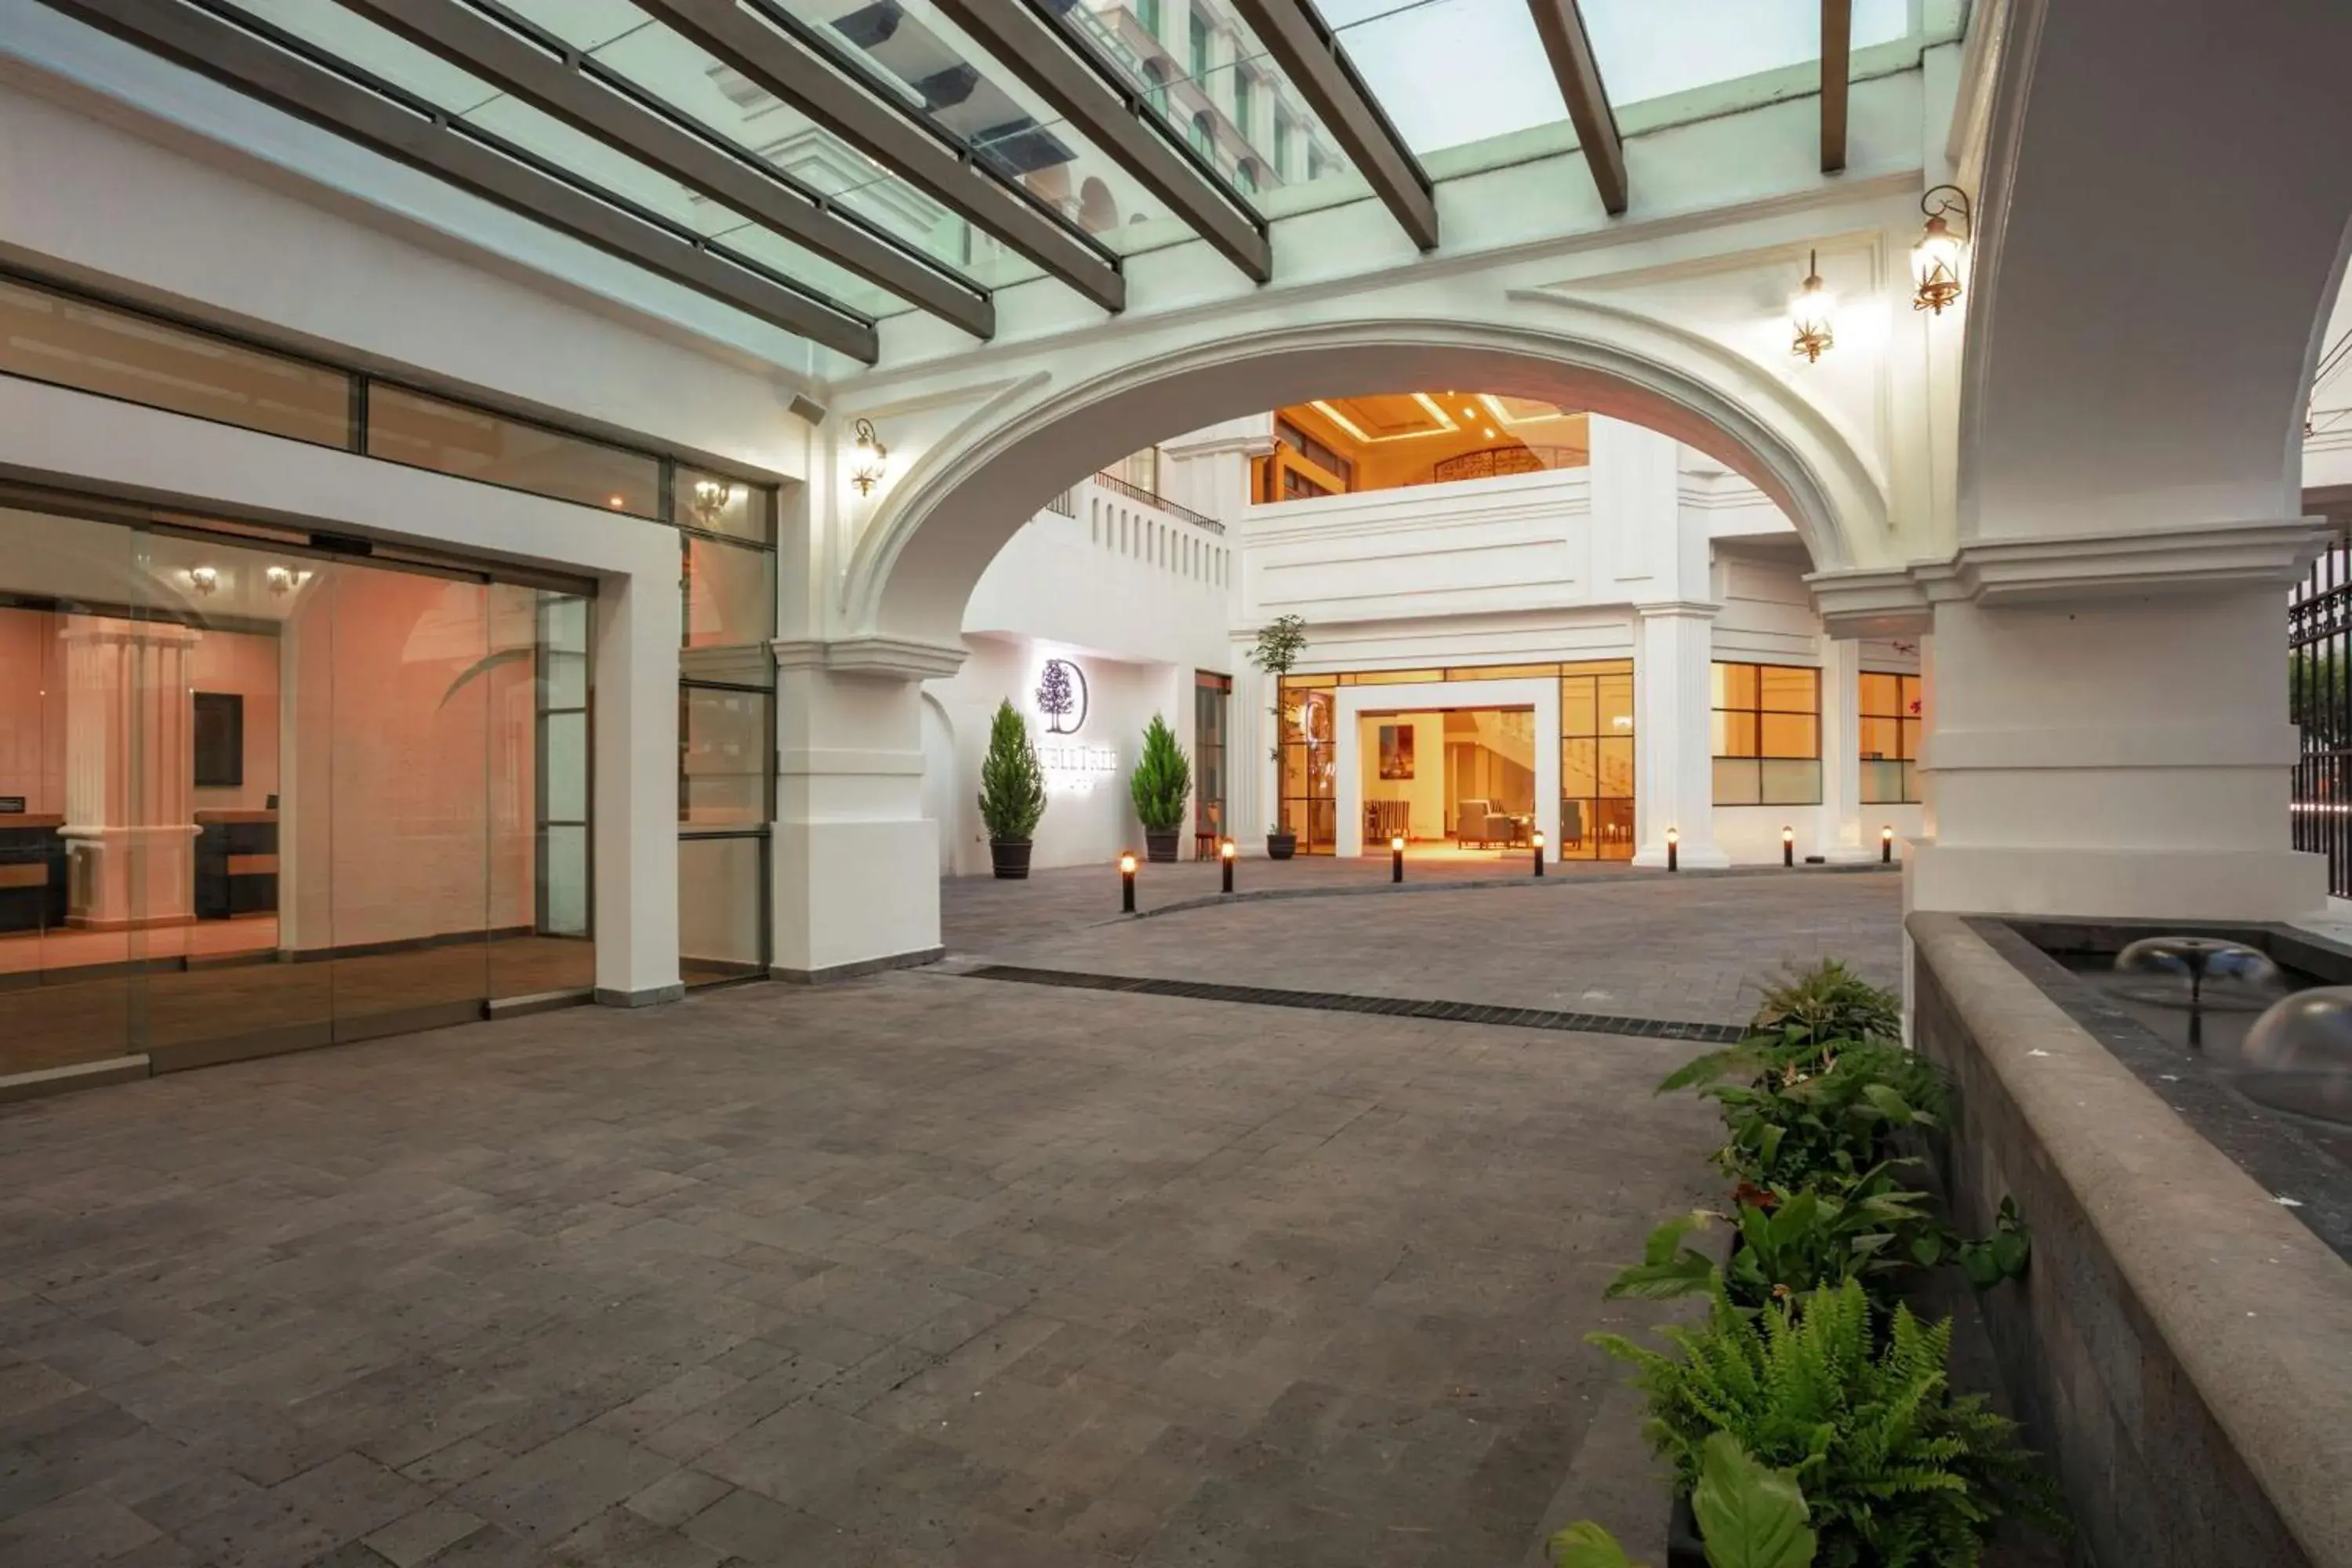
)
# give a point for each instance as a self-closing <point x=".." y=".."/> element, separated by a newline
<point x="1280" y="643"/>
<point x="1162" y="785"/>
<point x="1012" y="793"/>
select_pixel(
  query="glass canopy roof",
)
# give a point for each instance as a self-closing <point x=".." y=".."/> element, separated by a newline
<point x="1448" y="74"/>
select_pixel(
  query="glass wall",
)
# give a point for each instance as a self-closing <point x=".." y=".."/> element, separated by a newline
<point x="1768" y="734"/>
<point x="1308" y="806"/>
<point x="1213" y="695"/>
<point x="388" y="829"/>
<point x="1890" y="738"/>
<point x="726" y="728"/>
<point x="1596" y="761"/>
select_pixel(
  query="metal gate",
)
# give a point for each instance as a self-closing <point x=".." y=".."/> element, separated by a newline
<point x="2319" y="655"/>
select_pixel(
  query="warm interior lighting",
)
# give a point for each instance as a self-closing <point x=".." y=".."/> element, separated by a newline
<point x="1935" y="259"/>
<point x="710" y="498"/>
<point x="1397" y="844"/>
<point x="281" y="579"/>
<point x="871" y="457"/>
<point x="1126" y="864"/>
<point x="1227" y="849"/>
<point x="1538" y="840"/>
<point x="204" y="579"/>
<point x="1811" y="311"/>
<point x="617" y="502"/>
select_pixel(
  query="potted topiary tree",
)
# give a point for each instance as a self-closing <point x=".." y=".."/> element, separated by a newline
<point x="1012" y="793"/>
<point x="1280" y="643"/>
<point x="1161" y="786"/>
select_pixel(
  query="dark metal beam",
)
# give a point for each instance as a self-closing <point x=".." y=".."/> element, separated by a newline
<point x="575" y="89"/>
<point x="1068" y="75"/>
<point x="240" y="59"/>
<point x="1561" y="24"/>
<point x="1837" y="69"/>
<point x="786" y="66"/>
<point x="1311" y="57"/>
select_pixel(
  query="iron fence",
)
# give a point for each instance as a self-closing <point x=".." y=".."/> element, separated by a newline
<point x="2319" y="700"/>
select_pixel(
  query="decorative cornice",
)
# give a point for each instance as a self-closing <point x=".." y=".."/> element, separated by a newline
<point x="2156" y="562"/>
<point x="1688" y="609"/>
<point x="885" y="658"/>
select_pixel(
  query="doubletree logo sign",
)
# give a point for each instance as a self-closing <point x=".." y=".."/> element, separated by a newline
<point x="1062" y="697"/>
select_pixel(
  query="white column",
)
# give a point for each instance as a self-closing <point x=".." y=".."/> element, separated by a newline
<point x="130" y="773"/>
<point x="1674" y="775"/>
<point x="635" y="807"/>
<point x="857" y="862"/>
<point x="1838" y="827"/>
<point x="2103" y="750"/>
<point x="1251" y="784"/>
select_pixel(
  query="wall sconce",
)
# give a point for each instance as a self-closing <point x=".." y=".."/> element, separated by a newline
<point x="1936" y="260"/>
<point x="710" y="499"/>
<point x="281" y="580"/>
<point x="1810" y="313"/>
<point x="205" y="580"/>
<point x="871" y="455"/>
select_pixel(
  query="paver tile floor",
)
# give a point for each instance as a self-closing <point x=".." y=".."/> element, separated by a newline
<point x="913" y="1269"/>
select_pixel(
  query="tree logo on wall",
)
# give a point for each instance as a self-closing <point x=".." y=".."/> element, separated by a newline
<point x="1062" y="697"/>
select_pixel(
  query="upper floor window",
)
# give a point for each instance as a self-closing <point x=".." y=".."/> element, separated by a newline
<point x="1245" y="176"/>
<point x="1147" y="15"/>
<point x="1242" y="89"/>
<point x="1890" y="738"/>
<point x="1203" y="135"/>
<point x="1197" y="30"/>
<point x="1768" y="735"/>
<point x="1155" y="87"/>
<point x="1281" y="145"/>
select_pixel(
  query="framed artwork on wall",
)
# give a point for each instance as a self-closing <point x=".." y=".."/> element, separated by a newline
<point x="219" y="740"/>
<point x="1396" y="750"/>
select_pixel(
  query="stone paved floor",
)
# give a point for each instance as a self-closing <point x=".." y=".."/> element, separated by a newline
<point x="914" y="1270"/>
<point x="1687" y="948"/>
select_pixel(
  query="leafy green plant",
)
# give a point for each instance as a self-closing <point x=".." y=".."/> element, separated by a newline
<point x="1163" y="781"/>
<point x="1796" y="1111"/>
<point x="1869" y="1228"/>
<point x="1280" y="643"/>
<point x="1012" y="782"/>
<point x="1749" y="1516"/>
<point x="2001" y="1256"/>
<point x="1828" y="1002"/>
<point x="1897" y="1471"/>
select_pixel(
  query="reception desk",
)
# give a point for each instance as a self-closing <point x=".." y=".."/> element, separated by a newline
<point x="236" y="864"/>
<point x="32" y="872"/>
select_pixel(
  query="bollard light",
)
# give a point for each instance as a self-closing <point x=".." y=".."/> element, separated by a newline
<point x="1538" y="843"/>
<point x="1127" y="882"/>
<point x="1886" y="846"/>
<point x="1228" y="852"/>
<point x="1396" y="858"/>
<point x="1788" y="846"/>
<point x="1673" y="850"/>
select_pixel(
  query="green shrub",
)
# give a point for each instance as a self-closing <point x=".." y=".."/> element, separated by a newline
<point x="1897" y="1471"/>
<point x="1828" y="1002"/>
<point x="1012" y="784"/>
<point x="1163" y="781"/>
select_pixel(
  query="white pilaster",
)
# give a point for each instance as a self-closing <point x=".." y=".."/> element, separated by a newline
<point x="1674" y="778"/>
<point x="634" y="768"/>
<point x="130" y="771"/>
<point x="1251" y="784"/>
<point x="856" y="862"/>
<point x="1839" y="827"/>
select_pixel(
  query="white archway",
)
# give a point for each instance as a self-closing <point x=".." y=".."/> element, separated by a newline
<point x="915" y="560"/>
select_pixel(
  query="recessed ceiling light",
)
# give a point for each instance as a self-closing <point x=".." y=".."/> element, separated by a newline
<point x="616" y="500"/>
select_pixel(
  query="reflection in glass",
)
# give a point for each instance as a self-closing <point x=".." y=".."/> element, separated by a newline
<point x="730" y="594"/>
<point x="1596" y="747"/>
<point x="715" y="504"/>
<point x="722" y="893"/>
<point x="474" y="444"/>
<point x="723" y="746"/>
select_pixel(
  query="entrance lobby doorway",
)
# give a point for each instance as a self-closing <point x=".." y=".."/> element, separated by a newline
<point x="1459" y="778"/>
<point x="257" y="794"/>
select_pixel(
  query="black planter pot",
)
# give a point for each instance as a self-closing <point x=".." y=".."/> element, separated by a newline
<point x="1160" y="848"/>
<point x="1281" y="845"/>
<point x="1683" y="1548"/>
<point x="1010" y="859"/>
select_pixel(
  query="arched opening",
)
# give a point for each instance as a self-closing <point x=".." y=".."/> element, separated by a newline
<point x="1098" y="208"/>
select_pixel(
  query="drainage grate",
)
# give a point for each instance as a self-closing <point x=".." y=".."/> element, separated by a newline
<point x="1392" y="1006"/>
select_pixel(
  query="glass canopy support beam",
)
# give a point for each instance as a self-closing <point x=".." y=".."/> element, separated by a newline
<point x="610" y="111"/>
<point x="785" y="66"/>
<point x="1561" y="24"/>
<point x="1061" y="69"/>
<point x="243" y="61"/>
<point x="1837" y="71"/>
<point x="1311" y="57"/>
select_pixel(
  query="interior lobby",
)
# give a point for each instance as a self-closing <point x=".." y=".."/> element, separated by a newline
<point x="556" y="555"/>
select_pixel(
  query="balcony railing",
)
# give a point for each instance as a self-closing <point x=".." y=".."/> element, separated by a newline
<point x="1495" y="462"/>
<point x="1138" y="493"/>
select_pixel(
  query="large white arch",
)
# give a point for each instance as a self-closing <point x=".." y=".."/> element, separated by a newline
<point x="918" y="557"/>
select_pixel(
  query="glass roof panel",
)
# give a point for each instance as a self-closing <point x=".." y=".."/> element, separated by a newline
<point x="1450" y="72"/>
<point x="1656" y="48"/>
<point x="348" y="37"/>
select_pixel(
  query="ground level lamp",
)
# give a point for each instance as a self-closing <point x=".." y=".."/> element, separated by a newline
<point x="1396" y="858"/>
<point x="1673" y="850"/>
<point x="1228" y="853"/>
<point x="1127" y="882"/>
<point x="1886" y="845"/>
<point x="1788" y="846"/>
<point x="1537" y="841"/>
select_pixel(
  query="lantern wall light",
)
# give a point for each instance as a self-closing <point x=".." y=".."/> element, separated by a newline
<point x="1812" y="312"/>
<point x="871" y="455"/>
<point x="1936" y="260"/>
<point x="711" y="497"/>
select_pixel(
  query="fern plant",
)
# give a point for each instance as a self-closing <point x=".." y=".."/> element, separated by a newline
<point x="1012" y="782"/>
<point x="1162" y="780"/>
<point x="1897" y="1471"/>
